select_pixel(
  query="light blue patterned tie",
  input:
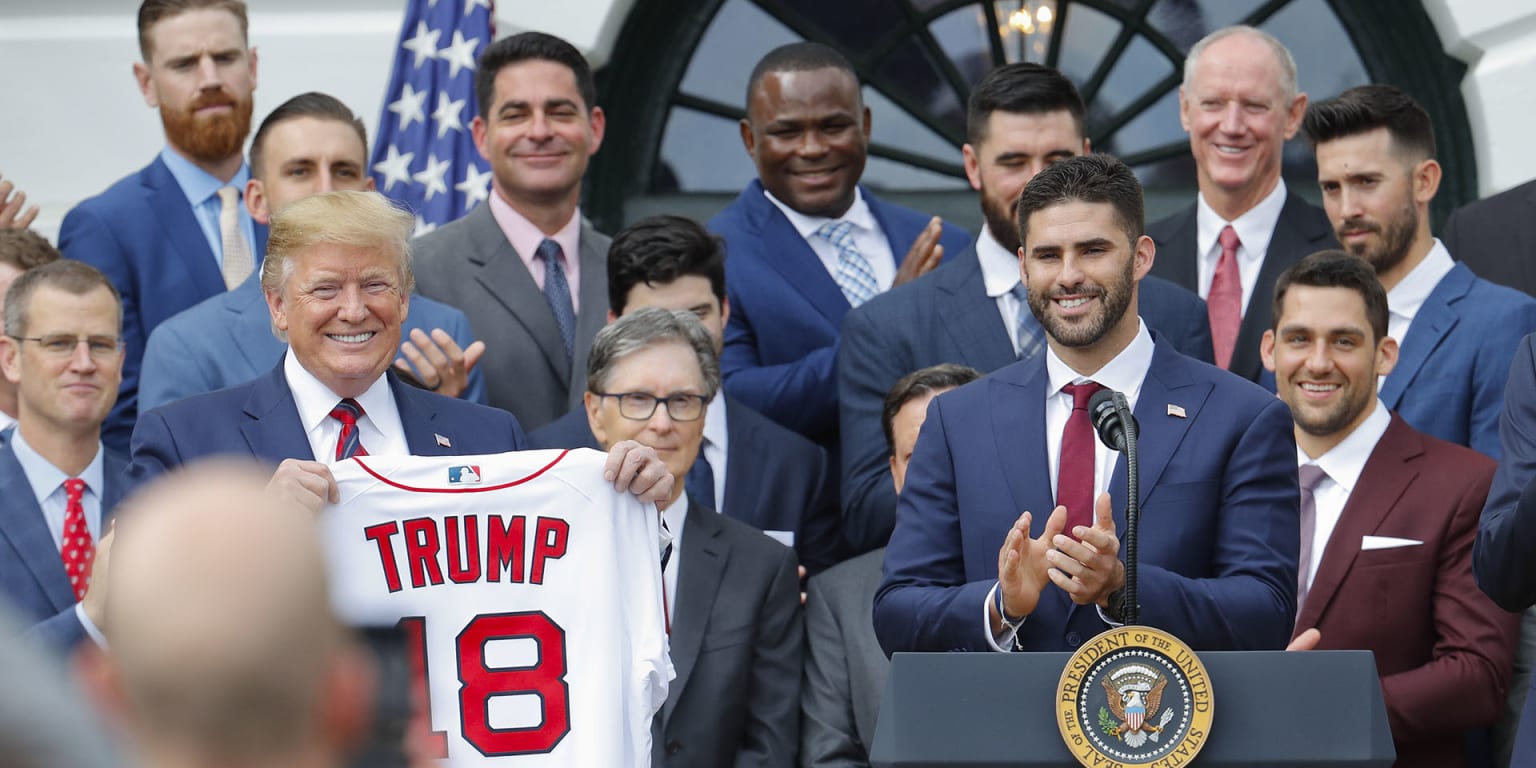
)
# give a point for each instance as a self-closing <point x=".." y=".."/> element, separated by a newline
<point x="854" y="276"/>
<point x="1031" y="336"/>
<point x="558" y="293"/>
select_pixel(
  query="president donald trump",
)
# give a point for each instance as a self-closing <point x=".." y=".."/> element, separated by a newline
<point x="337" y="279"/>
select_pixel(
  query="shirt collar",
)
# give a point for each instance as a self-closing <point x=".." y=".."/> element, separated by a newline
<point x="674" y="516"/>
<point x="525" y="236"/>
<point x="1345" y="461"/>
<point x="1408" y="296"/>
<point x="1123" y="374"/>
<point x="314" y="400"/>
<point x="999" y="268"/>
<point x="857" y="214"/>
<point x="714" y="421"/>
<point x="44" y="477"/>
<point x="1254" y="228"/>
<point x="197" y="184"/>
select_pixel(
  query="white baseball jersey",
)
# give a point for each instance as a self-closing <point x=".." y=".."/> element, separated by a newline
<point x="534" y="588"/>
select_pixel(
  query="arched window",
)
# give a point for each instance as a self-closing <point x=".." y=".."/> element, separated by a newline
<point x="676" y="87"/>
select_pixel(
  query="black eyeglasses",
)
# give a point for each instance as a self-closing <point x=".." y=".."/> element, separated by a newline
<point x="65" y="344"/>
<point x="641" y="406"/>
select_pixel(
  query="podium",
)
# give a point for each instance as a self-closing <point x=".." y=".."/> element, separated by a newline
<point x="1319" y="709"/>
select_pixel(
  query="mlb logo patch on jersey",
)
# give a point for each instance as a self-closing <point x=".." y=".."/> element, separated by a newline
<point x="464" y="474"/>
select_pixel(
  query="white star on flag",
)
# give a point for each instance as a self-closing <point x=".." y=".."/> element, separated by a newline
<point x="460" y="54"/>
<point x="422" y="227"/>
<point x="424" y="44"/>
<point x="447" y="114"/>
<point x="432" y="176"/>
<point x="409" y="106"/>
<point x="476" y="186"/>
<point x="470" y="5"/>
<point x="395" y="167"/>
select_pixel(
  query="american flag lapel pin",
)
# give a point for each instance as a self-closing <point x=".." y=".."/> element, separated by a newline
<point x="1176" y="410"/>
<point x="446" y="443"/>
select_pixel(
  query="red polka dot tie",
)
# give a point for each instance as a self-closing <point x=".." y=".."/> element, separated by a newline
<point x="77" y="549"/>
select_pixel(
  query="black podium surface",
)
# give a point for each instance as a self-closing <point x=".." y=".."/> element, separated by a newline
<point x="1321" y="709"/>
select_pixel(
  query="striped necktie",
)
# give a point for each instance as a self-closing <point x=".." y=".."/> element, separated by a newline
<point x="348" y="443"/>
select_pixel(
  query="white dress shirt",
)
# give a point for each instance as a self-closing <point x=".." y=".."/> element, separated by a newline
<point x="716" y="435"/>
<point x="1254" y="230"/>
<point x="6" y="421"/>
<point x="867" y="237"/>
<point x="1124" y="374"/>
<point x="1000" y="273"/>
<point x="379" y="430"/>
<point x="1407" y="297"/>
<point x="1342" y="467"/>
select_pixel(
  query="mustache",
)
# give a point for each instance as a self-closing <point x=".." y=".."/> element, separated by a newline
<point x="208" y="99"/>
<point x="1355" y="226"/>
<point x="1081" y="289"/>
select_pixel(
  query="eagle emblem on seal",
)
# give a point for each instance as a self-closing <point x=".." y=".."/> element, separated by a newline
<point x="1135" y="694"/>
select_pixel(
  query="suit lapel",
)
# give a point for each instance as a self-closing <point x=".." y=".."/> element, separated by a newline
<point x="1017" y="404"/>
<point x="1167" y="383"/>
<point x="424" y="436"/>
<point x="273" y="428"/>
<point x="506" y="280"/>
<point x="1176" y="258"/>
<point x="1431" y="325"/>
<point x="791" y="256"/>
<point x="742" y="484"/>
<point x="969" y="316"/>
<point x="699" y="576"/>
<point x="114" y="469"/>
<point x="182" y="233"/>
<point x="594" y="301"/>
<point x="23" y="528"/>
<point x="1386" y="477"/>
<point x="897" y="235"/>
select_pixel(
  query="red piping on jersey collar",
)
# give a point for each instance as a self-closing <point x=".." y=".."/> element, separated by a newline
<point x="474" y="489"/>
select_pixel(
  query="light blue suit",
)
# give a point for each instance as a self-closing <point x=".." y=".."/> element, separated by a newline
<point x="227" y="340"/>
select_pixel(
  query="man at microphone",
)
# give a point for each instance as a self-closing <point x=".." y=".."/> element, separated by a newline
<point x="1009" y="530"/>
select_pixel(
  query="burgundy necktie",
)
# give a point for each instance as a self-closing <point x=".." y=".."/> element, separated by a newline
<point x="1074" y="468"/>
<point x="76" y="547"/>
<point x="1310" y="476"/>
<point x="348" y="443"/>
<point x="1225" y="300"/>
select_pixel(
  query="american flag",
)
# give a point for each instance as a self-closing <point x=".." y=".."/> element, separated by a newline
<point x="425" y="157"/>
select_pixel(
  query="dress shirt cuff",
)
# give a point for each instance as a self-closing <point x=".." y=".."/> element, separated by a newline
<point x="1004" y="641"/>
<point x="90" y="627"/>
<point x="1104" y="617"/>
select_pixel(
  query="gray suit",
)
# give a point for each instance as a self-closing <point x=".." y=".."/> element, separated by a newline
<point x="470" y="265"/>
<point x="736" y="642"/>
<point x="845" y="669"/>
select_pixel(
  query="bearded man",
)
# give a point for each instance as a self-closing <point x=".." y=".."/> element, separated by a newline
<point x="176" y="232"/>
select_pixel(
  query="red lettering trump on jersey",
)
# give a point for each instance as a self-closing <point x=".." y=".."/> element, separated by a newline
<point x="529" y="592"/>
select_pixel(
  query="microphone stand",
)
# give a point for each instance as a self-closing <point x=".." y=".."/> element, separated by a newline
<point x="1130" y="609"/>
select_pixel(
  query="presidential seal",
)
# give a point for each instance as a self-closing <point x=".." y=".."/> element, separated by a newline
<point x="1134" y="696"/>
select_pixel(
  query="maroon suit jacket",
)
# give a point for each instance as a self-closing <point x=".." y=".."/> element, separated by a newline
<point x="1444" y="651"/>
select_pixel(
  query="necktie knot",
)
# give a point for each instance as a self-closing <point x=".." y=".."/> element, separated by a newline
<point x="348" y="411"/>
<point x="1228" y="238"/>
<point x="1310" y="475"/>
<point x="548" y="251"/>
<point x="1082" y="393"/>
<point x="838" y="233"/>
<point x="74" y="490"/>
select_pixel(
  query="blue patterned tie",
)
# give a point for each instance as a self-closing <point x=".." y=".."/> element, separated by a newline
<point x="700" y="482"/>
<point x="558" y="293"/>
<point x="348" y="443"/>
<point x="1031" y="335"/>
<point x="854" y="275"/>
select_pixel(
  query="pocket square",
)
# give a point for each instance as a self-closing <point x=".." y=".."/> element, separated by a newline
<point x="787" y="538"/>
<point x="1386" y="542"/>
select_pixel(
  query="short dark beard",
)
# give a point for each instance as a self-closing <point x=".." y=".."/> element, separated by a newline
<point x="1396" y="239"/>
<point x="1114" y="300"/>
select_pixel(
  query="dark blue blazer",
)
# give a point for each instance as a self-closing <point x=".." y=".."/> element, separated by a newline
<point x="946" y="317"/>
<point x="781" y="339"/>
<point x="145" y="237"/>
<point x="259" y="419"/>
<point x="1450" y="376"/>
<point x="775" y="480"/>
<point x="227" y="340"/>
<point x="32" y="577"/>
<point x="1504" y="556"/>
<point x="1220" y="528"/>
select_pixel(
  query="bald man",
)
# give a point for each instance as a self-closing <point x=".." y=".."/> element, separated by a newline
<point x="226" y="655"/>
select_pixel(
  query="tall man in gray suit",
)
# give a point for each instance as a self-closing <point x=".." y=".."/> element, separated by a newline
<point x="845" y="669"/>
<point x="525" y="267"/>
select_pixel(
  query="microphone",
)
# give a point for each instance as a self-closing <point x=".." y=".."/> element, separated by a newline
<point x="1118" y="429"/>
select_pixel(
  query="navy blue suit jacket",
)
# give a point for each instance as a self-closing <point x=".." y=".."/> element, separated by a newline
<point x="775" y="480"/>
<point x="259" y="419"/>
<point x="1220" y="528"/>
<point x="227" y="340"/>
<point x="786" y="310"/>
<point x="32" y="576"/>
<point x="1303" y="229"/>
<point x="142" y="233"/>
<point x="946" y="317"/>
<point x="1450" y="376"/>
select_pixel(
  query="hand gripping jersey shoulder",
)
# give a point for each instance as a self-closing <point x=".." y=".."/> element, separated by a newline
<point x="530" y="589"/>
